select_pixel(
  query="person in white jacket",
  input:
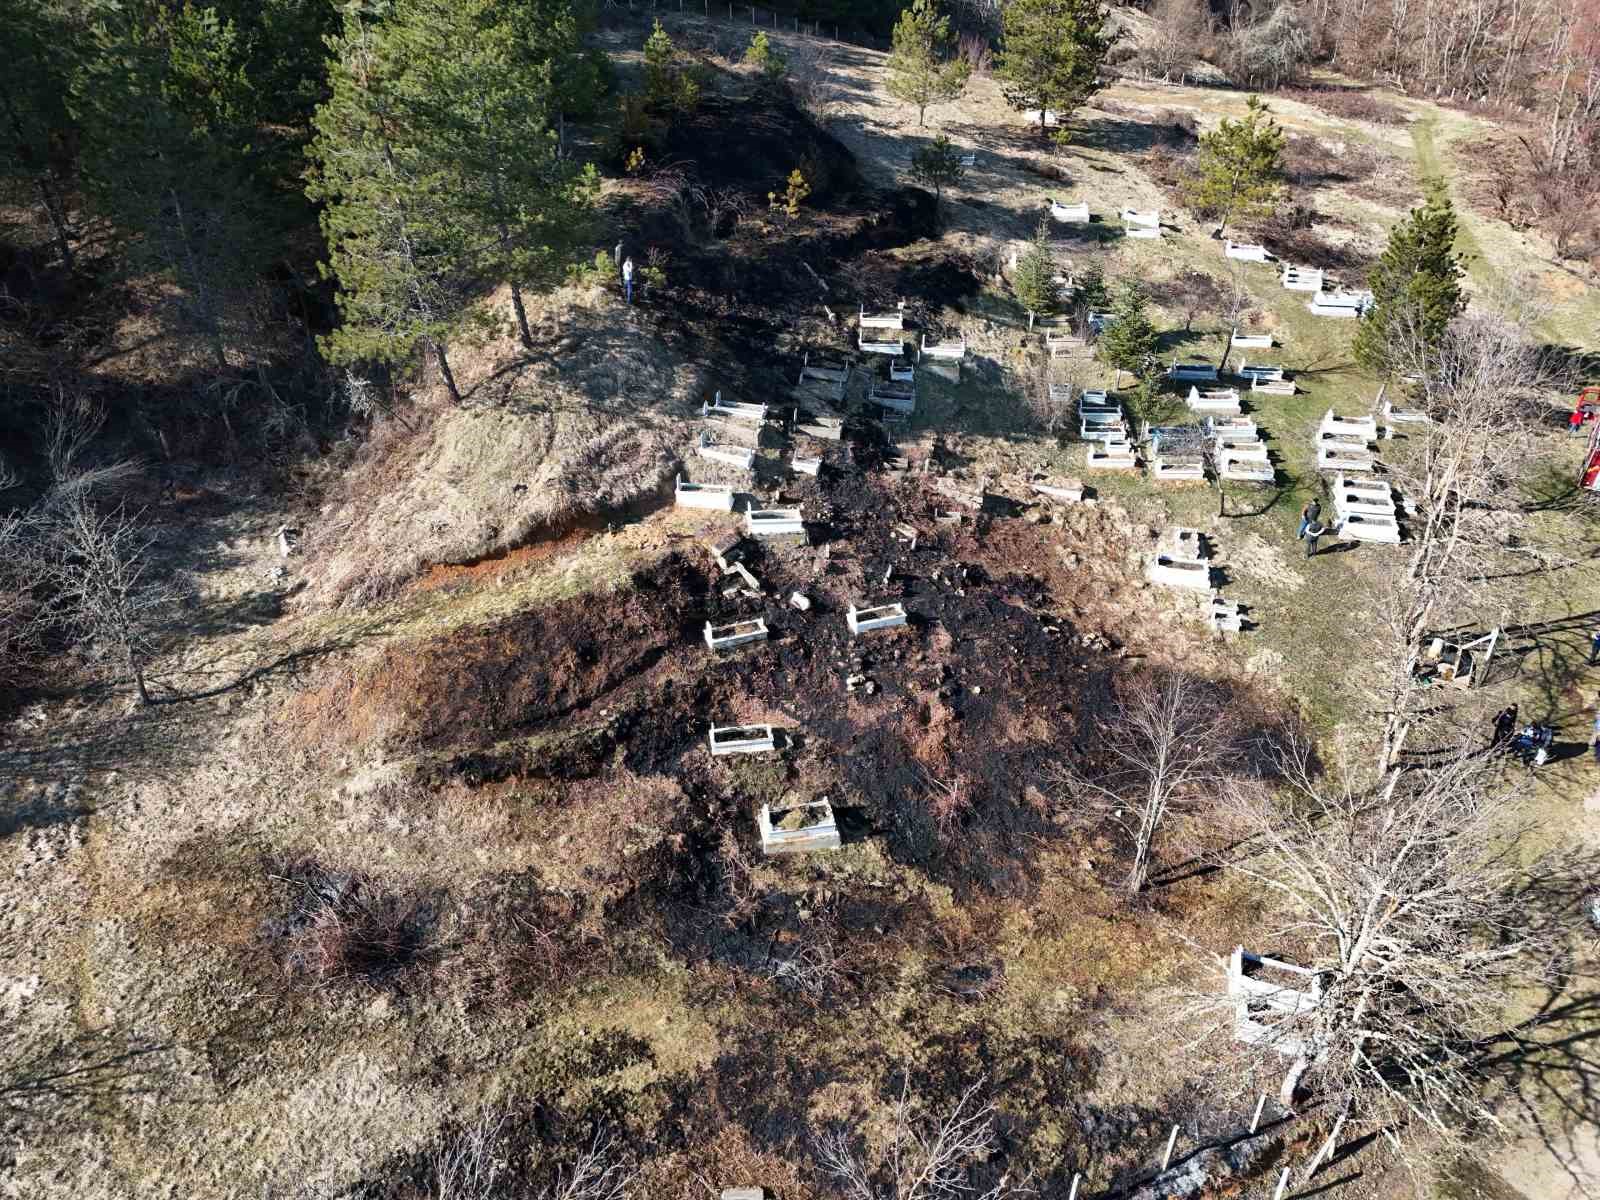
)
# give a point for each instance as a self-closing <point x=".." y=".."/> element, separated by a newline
<point x="627" y="278"/>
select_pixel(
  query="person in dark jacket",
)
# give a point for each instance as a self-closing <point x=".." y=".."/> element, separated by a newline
<point x="1594" y="648"/>
<point x="1505" y="724"/>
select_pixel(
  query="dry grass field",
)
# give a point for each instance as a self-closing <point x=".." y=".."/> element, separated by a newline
<point x="458" y="846"/>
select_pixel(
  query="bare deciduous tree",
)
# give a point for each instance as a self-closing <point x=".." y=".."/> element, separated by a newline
<point x="469" y="1164"/>
<point x="100" y="573"/>
<point x="1166" y="745"/>
<point x="1485" y="390"/>
<point x="1419" y="908"/>
<point x="926" y="1157"/>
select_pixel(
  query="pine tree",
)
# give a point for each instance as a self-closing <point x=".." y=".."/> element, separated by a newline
<point x="479" y="102"/>
<point x="760" y="55"/>
<point x="1034" y="281"/>
<point x="398" y="258"/>
<point x="1241" y="167"/>
<point x="1416" y="289"/>
<point x="667" y="84"/>
<point x="1128" y="342"/>
<point x="937" y="165"/>
<point x="1090" y="294"/>
<point x="167" y="117"/>
<point x="920" y="71"/>
<point x="1051" y="54"/>
<point x="36" y="127"/>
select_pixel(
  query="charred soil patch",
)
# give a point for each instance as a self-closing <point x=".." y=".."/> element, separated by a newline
<point x="518" y="675"/>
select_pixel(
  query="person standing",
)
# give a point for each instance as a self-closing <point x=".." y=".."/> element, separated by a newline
<point x="1313" y="531"/>
<point x="1308" y="516"/>
<point x="627" y="278"/>
<point x="1575" y="421"/>
<point x="1594" y="648"/>
<point x="1505" y="723"/>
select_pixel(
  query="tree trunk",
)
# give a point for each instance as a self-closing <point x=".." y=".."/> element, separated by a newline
<point x="523" y="332"/>
<point x="1291" y="1081"/>
<point x="440" y="357"/>
<point x="922" y="110"/>
<point x="58" y="223"/>
<point x="136" y="668"/>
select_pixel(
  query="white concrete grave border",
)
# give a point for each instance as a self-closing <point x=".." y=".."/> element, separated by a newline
<point x="1071" y="214"/>
<point x="895" y="320"/>
<point x="738" y="633"/>
<point x="1367" y="527"/>
<point x="741" y="457"/>
<point x="718" y="407"/>
<point x="774" y="522"/>
<point x="821" y="834"/>
<point x="1192" y="373"/>
<point x="882" y="616"/>
<point x="1301" y="279"/>
<point x="1364" y="429"/>
<point x="1244" y="251"/>
<point x="741" y="739"/>
<point x="702" y="495"/>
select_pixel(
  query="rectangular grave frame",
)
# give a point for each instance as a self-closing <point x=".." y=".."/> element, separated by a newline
<point x="774" y="522"/>
<point x="1342" y="304"/>
<point x="734" y="409"/>
<point x="1244" y="251"/>
<point x="823" y="834"/>
<point x="742" y="457"/>
<point x="1251" y="341"/>
<point x="895" y="321"/>
<point x="1192" y="372"/>
<point x="713" y="497"/>
<point x="1186" y="574"/>
<point x="878" y="616"/>
<point x="943" y="351"/>
<point x="1302" y="279"/>
<point x="735" y="633"/>
<point x="1070" y="214"/>
<point x="756" y="739"/>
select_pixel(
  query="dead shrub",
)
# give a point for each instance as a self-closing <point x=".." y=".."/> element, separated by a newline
<point x="1353" y="104"/>
<point x="343" y="929"/>
<point x="1313" y="162"/>
<point x="520" y="941"/>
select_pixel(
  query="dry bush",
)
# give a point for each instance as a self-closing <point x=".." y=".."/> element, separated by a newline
<point x="974" y="49"/>
<point x="343" y="929"/>
<point x="1353" y="104"/>
<point x="1311" y="162"/>
<point x="519" y="941"/>
<point x="1291" y="236"/>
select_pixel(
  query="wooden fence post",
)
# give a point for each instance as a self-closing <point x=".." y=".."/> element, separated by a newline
<point x="1255" y="1121"/>
<point x="1172" y="1140"/>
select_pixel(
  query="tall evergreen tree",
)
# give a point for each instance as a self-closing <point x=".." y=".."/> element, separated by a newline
<point x="1128" y="342"/>
<point x="1034" y="281"/>
<point x="1416" y="289"/>
<point x="920" y="69"/>
<point x="167" y="118"/>
<point x="1240" y="171"/>
<point x="480" y="100"/>
<point x="399" y="259"/>
<point x="1051" y="53"/>
<point x="36" y="126"/>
